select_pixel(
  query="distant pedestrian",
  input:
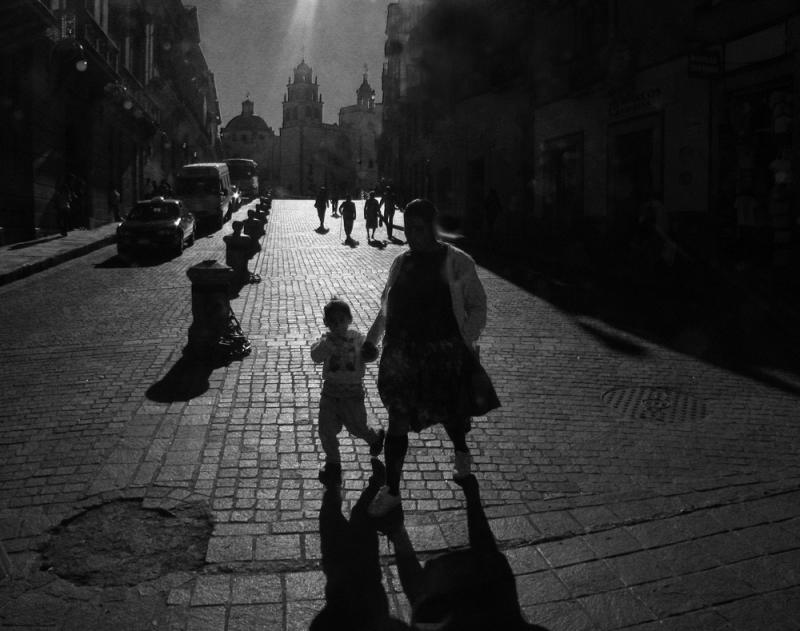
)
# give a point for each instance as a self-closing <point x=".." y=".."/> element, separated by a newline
<point x="114" y="201"/>
<point x="63" y="203"/>
<point x="335" y="205"/>
<point x="372" y="215"/>
<point x="433" y="309"/>
<point x="389" y="204"/>
<point x="342" y="401"/>
<point x="321" y="204"/>
<point x="493" y="208"/>
<point x="348" y="217"/>
<point x="164" y="189"/>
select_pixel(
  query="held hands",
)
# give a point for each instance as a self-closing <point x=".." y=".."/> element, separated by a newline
<point x="369" y="352"/>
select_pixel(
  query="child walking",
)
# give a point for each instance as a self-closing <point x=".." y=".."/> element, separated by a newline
<point x="342" y="401"/>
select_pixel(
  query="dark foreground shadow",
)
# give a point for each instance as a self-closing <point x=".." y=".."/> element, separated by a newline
<point x="354" y="594"/>
<point x="319" y="230"/>
<point x="464" y="590"/>
<point x="187" y="379"/>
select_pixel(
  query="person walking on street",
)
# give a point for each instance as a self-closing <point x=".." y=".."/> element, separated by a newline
<point x="63" y="203"/>
<point x="348" y="218"/>
<point x="321" y="204"/>
<point x="372" y="214"/>
<point x="334" y="206"/>
<point x="493" y="207"/>
<point x="114" y="200"/>
<point x="388" y="201"/>
<point x="433" y="309"/>
<point x="342" y="401"/>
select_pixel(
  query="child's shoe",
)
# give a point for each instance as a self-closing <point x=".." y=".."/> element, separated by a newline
<point x="463" y="465"/>
<point x="376" y="448"/>
<point x="383" y="502"/>
<point x="331" y="473"/>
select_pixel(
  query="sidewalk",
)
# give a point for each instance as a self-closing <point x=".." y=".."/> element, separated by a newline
<point x="22" y="259"/>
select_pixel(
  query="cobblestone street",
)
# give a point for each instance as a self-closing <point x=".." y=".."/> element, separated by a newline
<point x="630" y="486"/>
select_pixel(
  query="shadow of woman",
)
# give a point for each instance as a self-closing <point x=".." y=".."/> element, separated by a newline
<point x="463" y="590"/>
<point x="355" y="597"/>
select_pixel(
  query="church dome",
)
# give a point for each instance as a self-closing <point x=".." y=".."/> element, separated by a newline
<point x="247" y="121"/>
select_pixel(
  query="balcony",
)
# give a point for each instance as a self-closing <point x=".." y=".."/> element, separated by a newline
<point x="81" y="26"/>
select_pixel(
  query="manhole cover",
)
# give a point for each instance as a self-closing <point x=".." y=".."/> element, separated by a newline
<point x="122" y="543"/>
<point x="654" y="403"/>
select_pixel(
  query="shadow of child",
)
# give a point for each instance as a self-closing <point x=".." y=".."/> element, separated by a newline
<point x="355" y="597"/>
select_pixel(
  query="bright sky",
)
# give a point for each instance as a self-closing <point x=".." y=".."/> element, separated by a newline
<point x="252" y="46"/>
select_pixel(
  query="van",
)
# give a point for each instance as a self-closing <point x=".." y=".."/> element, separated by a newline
<point x="205" y="190"/>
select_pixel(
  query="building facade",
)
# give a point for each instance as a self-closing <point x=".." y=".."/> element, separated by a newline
<point x="604" y="112"/>
<point x="248" y="136"/>
<point x="102" y="95"/>
<point x="362" y="123"/>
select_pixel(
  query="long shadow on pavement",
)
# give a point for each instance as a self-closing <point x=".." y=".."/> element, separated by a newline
<point x="354" y="594"/>
<point x="186" y="380"/>
<point x="698" y="311"/>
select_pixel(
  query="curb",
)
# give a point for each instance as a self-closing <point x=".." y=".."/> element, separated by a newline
<point x="52" y="261"/>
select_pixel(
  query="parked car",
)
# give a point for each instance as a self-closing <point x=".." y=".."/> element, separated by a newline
<point x="156" y="224"/>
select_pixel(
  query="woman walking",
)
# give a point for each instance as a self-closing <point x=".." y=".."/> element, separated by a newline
<point x="432" y="313"/>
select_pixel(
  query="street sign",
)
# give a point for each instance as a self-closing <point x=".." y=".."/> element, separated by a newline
<point x="704" y="64"/>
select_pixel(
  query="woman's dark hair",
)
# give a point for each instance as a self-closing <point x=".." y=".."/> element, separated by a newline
<point x="336" y="306"/>
<point x="421" y="209"/>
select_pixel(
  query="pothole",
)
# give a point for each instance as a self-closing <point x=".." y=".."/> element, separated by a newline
<point x="123" y="543"/>
<point x="659" y="404"/>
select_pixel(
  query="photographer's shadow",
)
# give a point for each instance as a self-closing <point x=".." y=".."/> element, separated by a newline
<point x="463" y="590"/>
<point x="355" y="597"/>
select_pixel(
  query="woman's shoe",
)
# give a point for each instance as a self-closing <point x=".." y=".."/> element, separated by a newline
<point x="383" y="503"/>
<point x="463" y="465"/>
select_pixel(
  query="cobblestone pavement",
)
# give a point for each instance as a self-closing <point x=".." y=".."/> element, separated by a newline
<point x="629" y="486"/>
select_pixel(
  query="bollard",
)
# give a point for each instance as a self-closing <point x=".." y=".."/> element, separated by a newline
<point x="211" y="307"/>
<point x="238" y="250"/>
<point x="254" y="228"/>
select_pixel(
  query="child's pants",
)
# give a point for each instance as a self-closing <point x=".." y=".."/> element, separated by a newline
<point x="336" y="412"/>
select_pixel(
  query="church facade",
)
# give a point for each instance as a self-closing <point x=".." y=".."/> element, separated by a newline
<point x="308" y="153"/>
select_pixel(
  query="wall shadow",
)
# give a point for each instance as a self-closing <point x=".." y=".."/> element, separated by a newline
<point x="463" y="590"/>
<point x="694" y="309"/>
<point x="354" y="594"/>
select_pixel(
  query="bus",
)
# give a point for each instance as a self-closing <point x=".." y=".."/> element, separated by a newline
<point x="244" y="177"/>
<point x="205" y="190"/>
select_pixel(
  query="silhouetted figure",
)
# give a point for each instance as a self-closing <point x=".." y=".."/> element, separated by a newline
<point x="63" y="203"/>
<point x="465" y="590"/>
<point x="389" y="204"/>
<point x="433" y="312"/>
<point x="372" y="215"/>
<point x="493" y="208"/>
<point x="321" y="203"/>
<point x="114" y="201"/>
<point x="348" y="217"/>
<point x="335" y="206"/>
<point x="355" y="597"/>
<point x="342" y="401"/>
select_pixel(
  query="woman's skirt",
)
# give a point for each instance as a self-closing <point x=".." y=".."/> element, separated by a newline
<point x="425" y="383"/>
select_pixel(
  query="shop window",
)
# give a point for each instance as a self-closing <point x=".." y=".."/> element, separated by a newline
<point x="562" y="185"/>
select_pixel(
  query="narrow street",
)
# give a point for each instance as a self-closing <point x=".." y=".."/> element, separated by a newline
<point x="626" y="483"/>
